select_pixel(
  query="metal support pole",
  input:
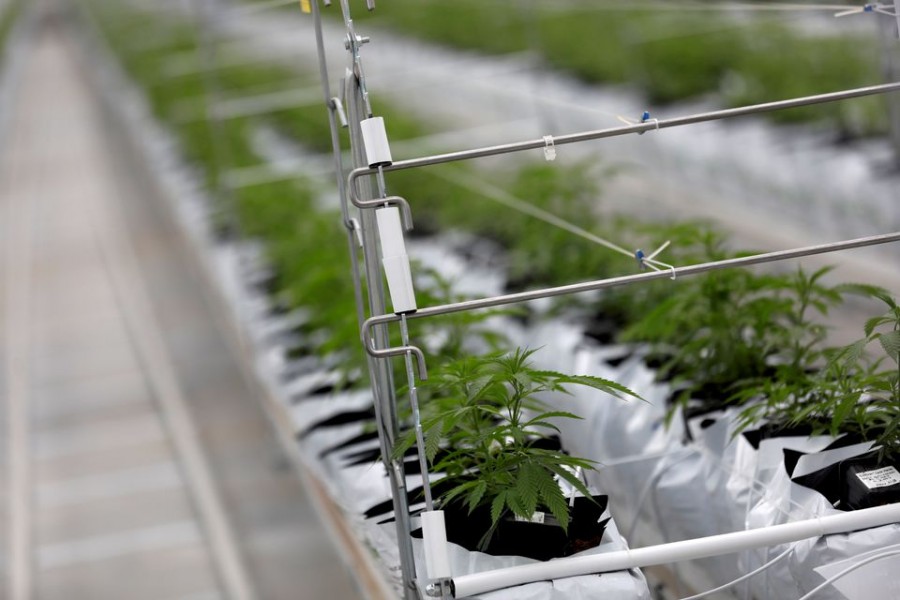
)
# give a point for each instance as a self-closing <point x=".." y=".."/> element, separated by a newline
<point x="349" y="223"/>
<point x="890" y="65"/>
<point x="380" y="371"/>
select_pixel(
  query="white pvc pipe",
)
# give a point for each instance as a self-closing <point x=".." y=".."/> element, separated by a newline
<point x="479" y="583"/>
<point x="434" y="534"/>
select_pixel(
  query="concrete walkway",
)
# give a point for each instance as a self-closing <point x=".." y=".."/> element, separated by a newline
<point x="137" y="461"/>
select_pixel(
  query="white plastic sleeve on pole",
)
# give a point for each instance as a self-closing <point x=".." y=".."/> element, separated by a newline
<point x="480" y="583"/>
<point x="375" y="140"/>
<point x="434" y="532"/>
<point x="395" y="260"/>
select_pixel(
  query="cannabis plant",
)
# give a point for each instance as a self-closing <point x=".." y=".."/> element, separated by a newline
<point x="798" y="335"/>
<point x="491" y="416"/>
<point x="861" y="393"/>
<point x="715" y="330"/>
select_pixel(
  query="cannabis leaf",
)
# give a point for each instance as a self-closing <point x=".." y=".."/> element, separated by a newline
<point x="484" y="411"/>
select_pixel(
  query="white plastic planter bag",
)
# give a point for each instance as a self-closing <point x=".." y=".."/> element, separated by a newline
<point x="797" y="574"/>
<point x="622" y="585"/>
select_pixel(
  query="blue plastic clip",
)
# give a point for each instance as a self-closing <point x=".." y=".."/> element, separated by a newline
<point x="869" y="8"/>
<point x="646" y="118"/>
<point x="639" y="255"/>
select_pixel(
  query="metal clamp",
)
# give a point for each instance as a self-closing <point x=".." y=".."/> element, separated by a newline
<point x="353" y="192"/>
<point x="369" y="344"/>
<point x="336" y="105"/>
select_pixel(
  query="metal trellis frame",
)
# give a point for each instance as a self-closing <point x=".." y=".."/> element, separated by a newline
<point x="370" y="195"/>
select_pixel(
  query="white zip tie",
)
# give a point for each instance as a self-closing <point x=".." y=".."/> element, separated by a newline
<point x="656" y="252"/>
<point x="645" y="118"/>
<point x="874" y="7"/>
<point x="651" y="262"/>
<point x="549" y="149"/>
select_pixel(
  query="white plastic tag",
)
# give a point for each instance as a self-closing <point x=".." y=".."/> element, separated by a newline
<point x="880" y="478"/>
<point x="537" y="517"/>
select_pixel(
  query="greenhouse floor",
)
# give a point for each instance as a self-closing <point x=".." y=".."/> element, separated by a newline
<point x="137" y="461"/>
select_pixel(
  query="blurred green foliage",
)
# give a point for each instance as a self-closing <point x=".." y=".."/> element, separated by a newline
<point x="668" y="55"/>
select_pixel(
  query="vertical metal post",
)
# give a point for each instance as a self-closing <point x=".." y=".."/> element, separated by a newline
<point x="349" y="223"/>
<point x="890" y="65"/>
<point x="380" y="370"/>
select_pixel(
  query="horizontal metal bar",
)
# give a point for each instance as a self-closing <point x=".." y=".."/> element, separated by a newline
<point x="248" y="106"/>
<point x="378" y="202"/>
<point x="745" y="261"/>
<point x="258" y="7"/>
<point x="572" y="138"/>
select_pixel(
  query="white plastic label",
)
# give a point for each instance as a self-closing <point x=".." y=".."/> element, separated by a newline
<point x="537" y="517"/>
<point x="437" y="558"/>
<point x="395" y="260"/>
<point x="880" y="478"/>
<point x="375" y="140"/>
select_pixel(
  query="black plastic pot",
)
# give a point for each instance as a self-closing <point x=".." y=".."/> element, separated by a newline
<point x="856" y="483"/>
<point x="539" y="541"/>
<point x="867" y="482"/>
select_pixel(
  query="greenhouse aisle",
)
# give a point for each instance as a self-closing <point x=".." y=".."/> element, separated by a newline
<point x="137" y="461"/>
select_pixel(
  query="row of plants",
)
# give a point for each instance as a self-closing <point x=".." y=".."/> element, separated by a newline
<point x="309" y="267"/>
<point x="669" y="55"/>
<point x="734" y="337"/>
<point x="303" y="243"/>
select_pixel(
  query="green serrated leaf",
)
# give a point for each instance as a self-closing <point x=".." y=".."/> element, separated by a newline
<point x="432" y="444"/>
<point x="531" y="427"/>
<point x="517" y="504"/>
<point x="850" y="355"/>
<point x="873" y="291"/>
<point x="553" y="499"/>
<point x="555" y="414"/>
<point x="476" y="494"/>
<point x="572" y="480"/>
<point x="890" y="341"/>
<point x="497" y="507"/>
<point x="527" y="487"/>
<point x="457" y="491"/>
<point x="842" y="411"/>
<point x="874" y="322"/>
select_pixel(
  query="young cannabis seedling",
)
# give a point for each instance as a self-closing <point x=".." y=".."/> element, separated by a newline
<point x="489" y="413"/>
<point x="798" y="336"/>
<point x="864" y="397"/>
<point x="714" y="331"/>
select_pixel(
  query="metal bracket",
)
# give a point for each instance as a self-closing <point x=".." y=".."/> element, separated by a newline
<point x="399" y="201"/>
<point x="369" y="344"/>
<point x="354" y="226"/>
<point x="338" y="107"/>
